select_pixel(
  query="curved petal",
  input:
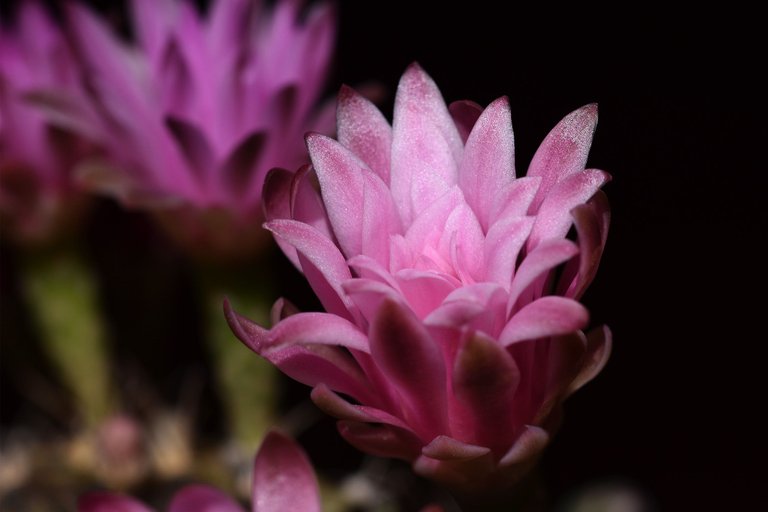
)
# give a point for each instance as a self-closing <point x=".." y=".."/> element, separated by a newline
<point x="334" y="405"/>
<point x="564" y="150"/>
<point x="314" y="329"/>
<point x="321" y="261"/>
<point x="426" y="147"/>
<point x="404" y="351"/>
<point x="109" y="502"/>
<point x="202" y="498"/>
<point x="465" y="114"/>
<point x="485" y="379"/>
<point x="554" y="216"/>
<point x="448" y="448"/>
<point x="424" y="290"/>
<point x="599" y="344"/>
<point x="359" y="205"/>
<point x="535" y="267"/>
<point x="548" y="316"/>
<point x="522" y="455"/>
<point x="502" y="246"/>
<point x="283" y="478"/>
<point x="276" y="201"/>
<point x="381" y="440"/>
<point x="488" y="165"/>
<point x="365" y="131"/>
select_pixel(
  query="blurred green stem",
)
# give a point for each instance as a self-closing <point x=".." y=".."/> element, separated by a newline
<point x="63" y="297"/>
<point x="247" y="381"/>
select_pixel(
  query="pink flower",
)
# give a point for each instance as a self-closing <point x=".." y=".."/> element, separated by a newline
<point x="194" y="113"/>
<point x="36" y="190"/>
<point x="283" y="480"/>
<point x="453" y="331"/>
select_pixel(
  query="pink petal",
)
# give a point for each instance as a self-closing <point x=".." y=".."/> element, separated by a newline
<point x="238" y="171"/>
<point x="599" y="344"/>
<point x="306" y="203"/>
<point x="309" y="363"/>
<point x="488" y="166"/>
<point x="404" y="351"/>
<point x="321" y="261"/>
<point x="515" y="200"/>
<point x="359" y="204"/>
<point x="548" y="316"/>
<point x="202" y="498"/>
<point x="381" y="440"/>
<point x="283" y="478"/>
<point x="502" y="246"/>
<point x="485" y="378"/>
<point x="564" y="151"/>
<point x="554" y="216"/>
<point x="368" y="294"/>
<point x="151" y="22"/>
<point x="591" y="221"/>
<point x="194" y="145"/>
<point x="470" y="474"/>
<point x="109" y="502"/>
<point x="424" y="290"/>
<point x="522" y="455"/>
<point x="426" y="146"/>
<point x="465" y="114"/>
<point x="365" y="131"/>
<point x="276" y="198"/>
<point x="428" y="225"/>
<point x="478" y="307"/>
<point x="448" y="448"/>
<point x="315" y="329"/>
<point x="334" y="405"/>
<point x="462" y="238"/>
<point x="535" y="267"/>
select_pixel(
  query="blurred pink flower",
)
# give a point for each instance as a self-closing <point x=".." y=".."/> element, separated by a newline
<point x="36" y="190"/>
<point x="453" y="331"/>
<point x="283" y="480"/>
<point x="193" y="115"/>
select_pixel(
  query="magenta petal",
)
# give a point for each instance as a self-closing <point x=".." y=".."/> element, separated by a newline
<point x="564" y="151"/>
<point x="314" y="329"/>
<point x="599" y="344"/>
<point x="426" y="147"/>
<point x="523" y="454"/>
<point x="465" y="114"/>
<point x="334" y="405"/>
<point x="501" y="247"/>
<point x="470" y="474"/>
<point x="536" y="265"/>
<point x="358" y="202"/>
<point x="194" y="145"/>
<point x="485" y="379"/>
<point x="448" y="448"/>
<point x="424" y="290"/>
<point x="381" y="440"/>
<point x="591" y="221"/>
<point x="276" y="199"/>
<point x="548" y="316"/>
<point x="202" y="498"/>
<point x="238" y="171"/>
<point x="306" y="202"/>
<point x="321" y="261"/>
<point x="412" y="362"/>
<point x="109" y="502"/>
<point x="250" y="333"/>
<point x="488" y="165"/>
<point x="283" y="478"/>
<point x="365" y="131"/>
<point x="554" y="215"/>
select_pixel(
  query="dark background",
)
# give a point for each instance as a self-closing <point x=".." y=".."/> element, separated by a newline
<point x="682" y="131"/>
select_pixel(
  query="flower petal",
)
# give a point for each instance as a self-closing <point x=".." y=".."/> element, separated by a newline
<point x="334" y="405"/>
<point x="502" y="246"/>
<point x="381" y="440"/>
<point x="426" y="146"/>
<point x="534" y="269"/>
<point x="465" y="114"/>
<point x="365" y="131"/>
<point x="485" y="378"/>
<point x="448" y="448"/>
<point x="276" y="199"/>
<point x="321" y="261"/>
<point x="522" y="455"/>
<point x="203" y="498"/>
<point x="411" y="360"/>
<point x="424" y="290"/>
<point x="548" y="316"/>
<point x="109" y="502"/>
<point x="315" y="329"/>
<point x="283" y="478"/>
<point x="599" y="344"/>
<point x="553" y="218"/>
<point x="564" y="150"/>
<point x="359" y="205"/>
<point x="488" y="165"/>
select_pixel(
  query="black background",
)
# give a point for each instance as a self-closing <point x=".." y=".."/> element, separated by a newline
<point x="682" y="131"/>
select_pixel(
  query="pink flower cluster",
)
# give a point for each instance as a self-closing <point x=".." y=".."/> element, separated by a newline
<point x="453" y="332"/>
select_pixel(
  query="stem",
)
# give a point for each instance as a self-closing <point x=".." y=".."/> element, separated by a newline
<point x="62" y="294"/>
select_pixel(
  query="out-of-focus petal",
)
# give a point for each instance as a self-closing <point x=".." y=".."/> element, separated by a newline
<point x="109" y="502"/>
<point x="283" y="478"/>
<point x="203" y="498"/>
